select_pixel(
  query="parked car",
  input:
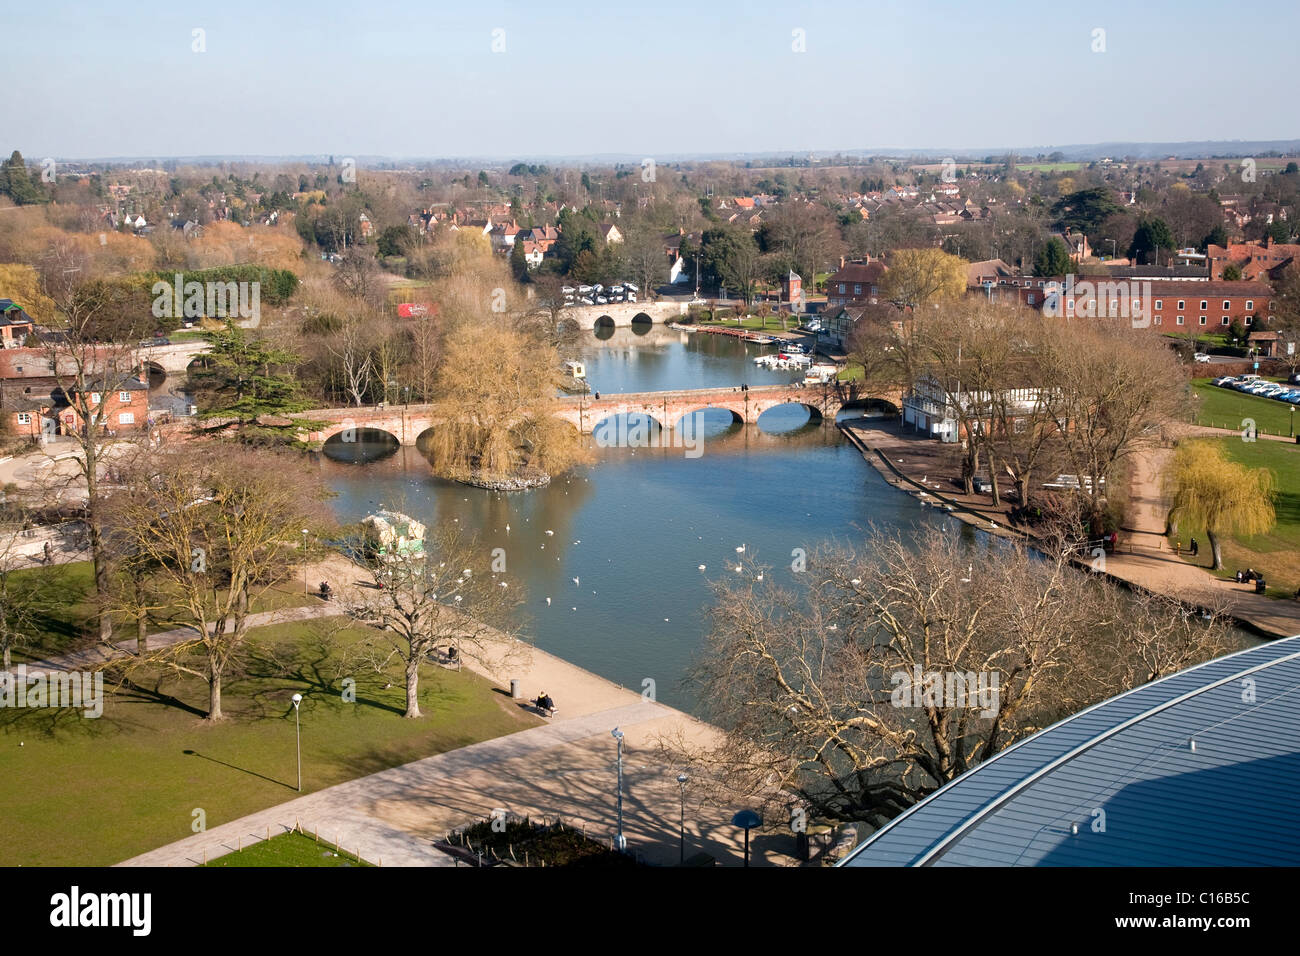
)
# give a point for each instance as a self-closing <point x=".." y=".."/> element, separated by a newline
<point x="1201" y="357"/>
<point x="631" y="297"/>
<point x="631" y="287"/>
<point x="584" y="290"/>
<point x="601" y="300"/>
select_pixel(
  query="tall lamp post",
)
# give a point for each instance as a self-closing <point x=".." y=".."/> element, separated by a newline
<point x="681" y="781"/>
<point x="620" y="841"/>
<point x="305" y="532"/>
<point x="297" y="699"/>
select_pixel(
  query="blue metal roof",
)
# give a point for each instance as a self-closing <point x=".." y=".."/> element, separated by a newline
<point x="1125" y="775"/>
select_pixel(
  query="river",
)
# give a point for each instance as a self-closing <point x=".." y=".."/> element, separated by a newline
<point x="633" y="527"/>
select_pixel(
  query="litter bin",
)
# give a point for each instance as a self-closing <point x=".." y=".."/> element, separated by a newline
<point x="515" y="692"/>
<point x="1259" y="585"/>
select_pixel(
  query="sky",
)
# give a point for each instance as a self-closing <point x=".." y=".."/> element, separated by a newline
<point x="665" y="78"/>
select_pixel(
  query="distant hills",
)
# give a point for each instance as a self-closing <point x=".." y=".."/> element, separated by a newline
<point x="1084" y="152"/>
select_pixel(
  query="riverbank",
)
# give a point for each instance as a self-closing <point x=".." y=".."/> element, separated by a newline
<point x="561" y="769"/>
<point x="930" y="470"/>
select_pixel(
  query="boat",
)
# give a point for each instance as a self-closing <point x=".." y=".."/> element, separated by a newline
<point x="760" y="339"/>
<point x="820" y="373"/>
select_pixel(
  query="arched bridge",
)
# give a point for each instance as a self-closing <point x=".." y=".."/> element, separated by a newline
<point x="407" y="422"/>
<point x="623" y="314"/>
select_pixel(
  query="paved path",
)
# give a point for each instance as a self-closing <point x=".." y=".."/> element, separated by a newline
<point x="350" y="814"/>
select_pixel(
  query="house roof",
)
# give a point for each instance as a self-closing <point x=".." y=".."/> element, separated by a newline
<point x="1131" y="757"/>
<point x="859" y="272"/>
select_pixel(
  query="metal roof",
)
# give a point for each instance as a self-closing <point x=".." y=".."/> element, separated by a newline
<point x="1125" y="775"/>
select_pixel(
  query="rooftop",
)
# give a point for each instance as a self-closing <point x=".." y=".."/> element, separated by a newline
<point x="1199" y="768"/>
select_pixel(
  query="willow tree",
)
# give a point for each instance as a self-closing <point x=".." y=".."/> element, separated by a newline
<point x="495" y="392"/>
<point x="1208" y="489"/>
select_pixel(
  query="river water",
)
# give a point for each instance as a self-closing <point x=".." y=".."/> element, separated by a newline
<point x="633" y="527"/>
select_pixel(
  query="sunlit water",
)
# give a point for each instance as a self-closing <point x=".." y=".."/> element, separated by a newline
<point x="634" y="527"/>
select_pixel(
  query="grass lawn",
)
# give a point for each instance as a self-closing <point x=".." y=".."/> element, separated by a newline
<point x="1276" y="554"/>
<point x="770" y="324"/>
<point x="93" y="792"/>
<point x="1226" y="408"/>
<point x="66" y="621"/>
<point x="289" y="849"/>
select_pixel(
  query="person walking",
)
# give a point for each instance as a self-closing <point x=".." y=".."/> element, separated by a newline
<point x="1196" y="548"/>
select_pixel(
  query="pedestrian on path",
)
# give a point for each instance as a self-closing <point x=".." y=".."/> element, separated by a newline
<point x="1196" y="548"/>
<point x="49" y="553"/>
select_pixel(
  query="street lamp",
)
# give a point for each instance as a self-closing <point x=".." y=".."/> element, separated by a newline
<point x="297" y="699"/>
<point x="305" y="532"/>
<point x="681" y="780"/>
<point x="620" y="841"/>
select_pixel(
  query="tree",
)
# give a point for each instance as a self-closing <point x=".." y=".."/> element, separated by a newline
<point x="221" y="526"/>
<point x="919" y="277"/>
<point x="1207" y="488"/>
<point x="449" y="598"/>
<point x="243" y="377"/>
<point x="733" y="258"/>
<point x="1231" y="272"/>
<point x="643" y="251"/>
<point x="1085" y="209"/>
<point x="889" y="670"/>
<point x="1218" y="236"/>
<point x="495" y="389"/>
<point x="1151" y="236"/>
<point x="1053" y="259"/>
<point x="394" y="240"/>
<point x="16" y="183"/>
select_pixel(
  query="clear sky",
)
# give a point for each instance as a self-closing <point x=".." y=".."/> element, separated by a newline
<point x="408" y="79"/>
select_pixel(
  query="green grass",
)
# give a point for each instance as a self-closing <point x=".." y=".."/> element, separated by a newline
<point x="770" y="324"/>
<point x="91" y="792"/>
<point x="290" y="849"/>
<point x="186" y="335"/>
<point x="66" y="620"/>
<point x="1277" y="553"/>
<point x="1227" y="408"/>
<point x="1049" y="167"/>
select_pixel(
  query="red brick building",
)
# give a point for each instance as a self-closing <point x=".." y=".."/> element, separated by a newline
<point x="1255" y="260"/>
<point x="1170" y="305"/>
<point x="123" y="406"/>
<point x="856" y="283"/>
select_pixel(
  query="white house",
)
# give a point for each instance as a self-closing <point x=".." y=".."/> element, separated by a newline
<point x="928" y="409"/>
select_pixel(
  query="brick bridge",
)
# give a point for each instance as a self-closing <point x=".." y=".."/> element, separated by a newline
<point x="407" y="423"/>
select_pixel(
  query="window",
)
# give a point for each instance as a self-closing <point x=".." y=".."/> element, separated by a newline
<point x="1158" y="305"/>
<point x="1018" y="425"/>
<point x="94" y="398"/>
<point x="1181" y="305"/>
<point x="1227" y="304"/>
<point x="857" y="288"/>
<point x="1158" y="320"/>
<point x="1250" y="319"/>
<point x="1226" y="321"/>
<point x="126" y="418"/>
<point x="1250" y="305"/>
<point x="1031" y="298"/>
<point x="124" y="398"/>
<point x="842" y="287"/>
<point x="1180" y="320"/>
<point x="24" y="418"/>
<point x="1204" y="304"/>
<point x="1202" y="320"/>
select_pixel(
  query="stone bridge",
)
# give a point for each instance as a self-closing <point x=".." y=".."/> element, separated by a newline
<point x="622" y="313"/>
<point x="173" y="358"/>
<point x="407" y="423"/>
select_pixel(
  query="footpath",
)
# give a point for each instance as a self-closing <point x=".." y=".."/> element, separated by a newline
<point x="929" y="470"/>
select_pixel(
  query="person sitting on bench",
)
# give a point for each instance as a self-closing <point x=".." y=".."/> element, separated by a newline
<point x="545" y="704"/>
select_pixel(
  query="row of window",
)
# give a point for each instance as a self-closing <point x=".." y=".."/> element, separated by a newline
<point x="124" y="418"/>
<point x="1227" y="304"/>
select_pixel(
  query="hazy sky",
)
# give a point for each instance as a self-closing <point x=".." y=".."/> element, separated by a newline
<point x="642" y="78"/>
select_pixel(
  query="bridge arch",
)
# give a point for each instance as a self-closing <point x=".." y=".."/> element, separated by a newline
<point x="868" y="408"/>
<point x="642" y="323"/>
<point x="786" y="419"/>
<point x="711" y="422"/>
<point x="626" y="430"/>
<point x="358" y="444"/>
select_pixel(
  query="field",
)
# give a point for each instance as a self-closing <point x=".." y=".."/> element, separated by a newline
<point x="1225" y="408"/>
<point x="1048" y="167"/>
<point x="96" y="791"/>
<point x="290" y="849"/>
<point x="1277" y="553"/>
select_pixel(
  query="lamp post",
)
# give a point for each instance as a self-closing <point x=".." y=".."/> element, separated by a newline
<point x="305" y="532"/>
<point x="620" y="841"/>
<point x="1112" y="247"/>
<point x="297" y="699"/>
<point x="681" y="780"/>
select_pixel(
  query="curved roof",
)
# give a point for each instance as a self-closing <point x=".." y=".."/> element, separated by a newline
<point x="1200" y="768"/>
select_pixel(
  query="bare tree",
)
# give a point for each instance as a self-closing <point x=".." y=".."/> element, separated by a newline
<point x="219" y="526"/>
<point x="891" y="670"/>
<point x="448" y="601"/>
